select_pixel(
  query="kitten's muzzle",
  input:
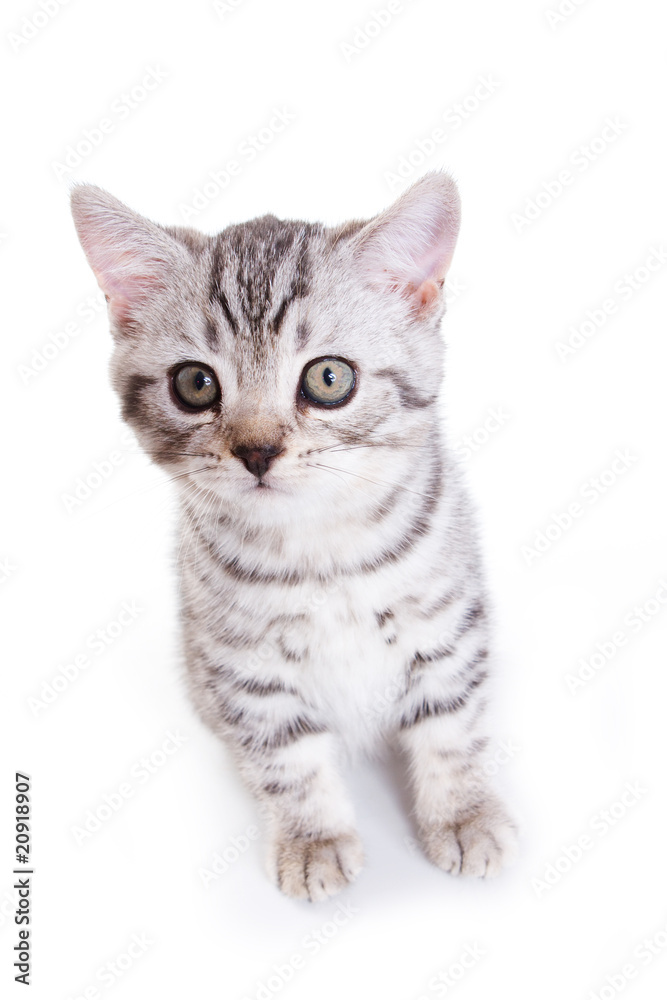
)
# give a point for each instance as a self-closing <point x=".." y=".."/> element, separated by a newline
<point x="257" y="458"/>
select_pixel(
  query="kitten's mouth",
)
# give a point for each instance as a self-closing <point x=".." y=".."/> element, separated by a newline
<point x="264" y="486"/>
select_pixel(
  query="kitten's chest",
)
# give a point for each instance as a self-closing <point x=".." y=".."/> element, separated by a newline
<point x="350" y="658"/>
<point x="344" y="642"/>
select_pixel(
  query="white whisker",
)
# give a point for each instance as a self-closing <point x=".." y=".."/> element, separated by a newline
<point x="376" y="482"/>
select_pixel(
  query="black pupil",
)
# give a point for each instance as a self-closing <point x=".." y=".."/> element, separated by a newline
<point x="200" y="381"/>
<point x="328" y="376"/>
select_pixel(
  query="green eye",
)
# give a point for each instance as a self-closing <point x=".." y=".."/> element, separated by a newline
<point x="327" y="381"/>
<point x="196" y="386"/>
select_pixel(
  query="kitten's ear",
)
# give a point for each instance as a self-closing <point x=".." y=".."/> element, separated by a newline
<point x="408" y="248"/>
<point x="131" y="257"/>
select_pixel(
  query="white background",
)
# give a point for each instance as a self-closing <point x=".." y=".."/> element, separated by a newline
<point x="522" y="286"/>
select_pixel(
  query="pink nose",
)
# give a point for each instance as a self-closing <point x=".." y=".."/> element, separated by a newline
<point x="257" y="458"/>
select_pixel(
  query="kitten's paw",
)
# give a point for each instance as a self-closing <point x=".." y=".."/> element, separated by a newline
<point x="316" y="869"/>
<point x="481" y="843"/>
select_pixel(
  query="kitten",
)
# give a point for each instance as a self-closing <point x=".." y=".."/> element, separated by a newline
<point x="288" y="375"/>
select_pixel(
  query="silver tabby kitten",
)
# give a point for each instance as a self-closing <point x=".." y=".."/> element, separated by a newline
<point x="288" y="375"/>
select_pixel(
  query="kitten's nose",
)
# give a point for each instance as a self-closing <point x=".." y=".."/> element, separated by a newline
<point x="256" y="457"/>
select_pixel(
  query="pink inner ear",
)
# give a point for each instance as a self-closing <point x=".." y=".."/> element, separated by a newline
<point x="416" y="276"/>
<point x="125" y="277"/>
<point x="121" y="297"/>
<point x="436" y="262"/>
<point x="408" y="249"/>
<point x="426" y="295"/>
<point x="131" y="257"/>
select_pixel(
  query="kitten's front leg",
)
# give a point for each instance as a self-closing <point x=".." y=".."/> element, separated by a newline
<point x="315" y="850"/>
<point x="463" y="826"/>
<point x="288" y="757"/>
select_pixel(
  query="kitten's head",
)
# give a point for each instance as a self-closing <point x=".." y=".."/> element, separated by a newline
<point x="250" y="360"/>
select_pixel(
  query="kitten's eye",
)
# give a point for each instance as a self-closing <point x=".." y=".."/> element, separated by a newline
<point x="196" y="386"/>
<point x="327" y="381"/>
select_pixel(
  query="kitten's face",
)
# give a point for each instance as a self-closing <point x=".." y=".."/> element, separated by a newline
<point x="278" y="365"/>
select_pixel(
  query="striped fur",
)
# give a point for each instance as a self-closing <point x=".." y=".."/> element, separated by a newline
<point x="337" y="602"/>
